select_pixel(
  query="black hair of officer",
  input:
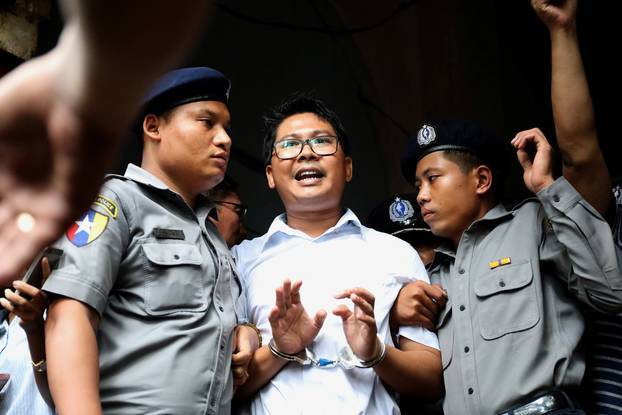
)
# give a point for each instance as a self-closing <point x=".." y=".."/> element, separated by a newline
<point x="299" y="103"/>
<point x="463" y="142"/>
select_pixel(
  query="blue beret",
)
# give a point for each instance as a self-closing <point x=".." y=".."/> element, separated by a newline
<point x="186" y="85"/>
<point x="454" y="135"/>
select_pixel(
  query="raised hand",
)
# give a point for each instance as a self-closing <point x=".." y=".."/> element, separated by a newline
<point x="359" y="324"/>
<point x="52" y="162"/>
<point x="556" y="14"/>
<point x="537" y="169"/>
<point x="292" y="327"/>
<point x="418" y="303"/>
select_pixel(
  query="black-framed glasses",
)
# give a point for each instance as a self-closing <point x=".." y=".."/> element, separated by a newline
<point x="238" y="208"/>
<point x="325" y="145"/>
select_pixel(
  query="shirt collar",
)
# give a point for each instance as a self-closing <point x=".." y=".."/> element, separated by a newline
<point x="495" y="214"/>
<point x="279" y="229"/>
<point x="142" y="176"/>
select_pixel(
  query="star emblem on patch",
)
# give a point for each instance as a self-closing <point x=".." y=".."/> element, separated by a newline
<point x="87" y="228"/>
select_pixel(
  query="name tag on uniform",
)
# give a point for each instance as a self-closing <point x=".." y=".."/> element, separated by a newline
<point x="160" y="233"/>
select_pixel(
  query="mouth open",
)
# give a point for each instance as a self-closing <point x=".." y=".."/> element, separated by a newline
<point x="309" y="175"/>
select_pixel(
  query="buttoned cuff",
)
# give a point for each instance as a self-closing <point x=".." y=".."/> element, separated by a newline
<point x="558" y="198"/>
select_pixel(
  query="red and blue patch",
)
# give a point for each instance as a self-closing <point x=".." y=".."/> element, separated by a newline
<point x="88" y="228"/>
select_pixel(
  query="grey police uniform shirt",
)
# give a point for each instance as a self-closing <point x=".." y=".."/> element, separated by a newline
<point x="163" y="282"/>
<point x="512" y="324"/>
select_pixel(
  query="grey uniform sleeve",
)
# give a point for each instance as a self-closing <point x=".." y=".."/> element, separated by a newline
<point x="93" y="248"/>
<point x="593" y="274"/>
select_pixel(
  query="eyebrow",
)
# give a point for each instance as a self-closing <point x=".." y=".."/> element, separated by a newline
<point x="299" y="136"/>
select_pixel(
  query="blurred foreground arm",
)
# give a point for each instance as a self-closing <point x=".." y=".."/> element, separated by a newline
<point x="63" y="114"/>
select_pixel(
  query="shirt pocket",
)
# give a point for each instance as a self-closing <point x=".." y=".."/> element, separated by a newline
<point x="507" y="300"/>
<point x="174" y="278"/>
<point x="445" y="333"/>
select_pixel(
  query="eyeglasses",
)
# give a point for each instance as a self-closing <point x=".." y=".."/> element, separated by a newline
<point x="290" y="148"/>
<point x="238" y="208"/>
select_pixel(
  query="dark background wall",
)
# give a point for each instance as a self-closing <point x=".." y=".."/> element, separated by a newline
<point x="387" y="67"/>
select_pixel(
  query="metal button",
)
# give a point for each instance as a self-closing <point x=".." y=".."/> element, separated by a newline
<point x="466" y="349"/>
<point x="462" y="307"/>
<point x="555" y="198"/>
<point x="461" y="271"/>
<point x="501" y="283"/>
<point x="176" y="256"/>
<point x="221" y="308"/>
<point x="470" y="390"/>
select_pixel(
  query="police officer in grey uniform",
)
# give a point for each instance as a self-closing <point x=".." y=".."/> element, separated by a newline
<point x="146" y="282"/>
<point x="511" y="328"/>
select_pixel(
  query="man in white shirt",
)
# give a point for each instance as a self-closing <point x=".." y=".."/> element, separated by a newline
<point x="344" y="361"/>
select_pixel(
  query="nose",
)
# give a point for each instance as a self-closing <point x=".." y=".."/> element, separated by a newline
<point x="307" y="153"/>
<point x="222" y="139"/>
<point x="423" y="196"/>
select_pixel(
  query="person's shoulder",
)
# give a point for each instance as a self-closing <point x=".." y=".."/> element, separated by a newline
<point x="527" y="207"/>
<point x="386" y="242"/>
<point x="247" y="251"/>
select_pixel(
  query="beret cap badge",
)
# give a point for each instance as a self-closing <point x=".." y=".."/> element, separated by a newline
<point x="401" y="210"/>
<point x="426" y="135"/>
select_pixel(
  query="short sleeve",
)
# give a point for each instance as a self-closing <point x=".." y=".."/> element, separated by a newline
<point x="93" y="247"/>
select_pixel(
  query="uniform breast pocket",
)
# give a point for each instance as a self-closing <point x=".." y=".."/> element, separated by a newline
<point x="174" y="278"/>
<point x="445" y="333"/>
<point x="507" y="300"/>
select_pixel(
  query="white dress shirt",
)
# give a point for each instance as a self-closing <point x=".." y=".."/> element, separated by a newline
<point x="345" y="256"/>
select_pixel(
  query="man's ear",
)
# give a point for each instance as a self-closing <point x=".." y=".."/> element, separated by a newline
<point x="151" y="127"/>
<point x="269" y="176"/>
<point x="483" y="177"/>
<point x="348" y="167"/>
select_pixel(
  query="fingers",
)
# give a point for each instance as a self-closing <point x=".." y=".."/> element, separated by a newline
<point x="241" y="358"/>
<point x="7" y="305"/>
<point x="287" y="295"/>
<point x="342" y="311"/>
<point x="45" y="267"/>
<point x="320" y="317"/>
<point x="363" y="301"/>
<point x="15" y="299"/>
<point x="437" y="295"/>
<point x="240" y="375"/>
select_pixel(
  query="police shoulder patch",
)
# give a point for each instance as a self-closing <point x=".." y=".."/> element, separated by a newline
<point x="108" y="205"/>
<point x="87" y="228"/>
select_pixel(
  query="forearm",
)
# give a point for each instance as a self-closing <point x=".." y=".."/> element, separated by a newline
<point x="583" y="163"/>
<point x="263" y="367"/>
<point x="113" y="51"/>
<point x="73" y="365"/>
<point x="36" y="345"/>
<point x="412" y="372"/>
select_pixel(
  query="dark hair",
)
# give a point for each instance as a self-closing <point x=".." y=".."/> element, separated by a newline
<point x="298" y="103"/>
<point x="227" y="187"/>
<point x="467" y="161"/>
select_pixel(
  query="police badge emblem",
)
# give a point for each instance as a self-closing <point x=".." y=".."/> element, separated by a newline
<point x="401" y="210"/>
<point x="426" y="135"/>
